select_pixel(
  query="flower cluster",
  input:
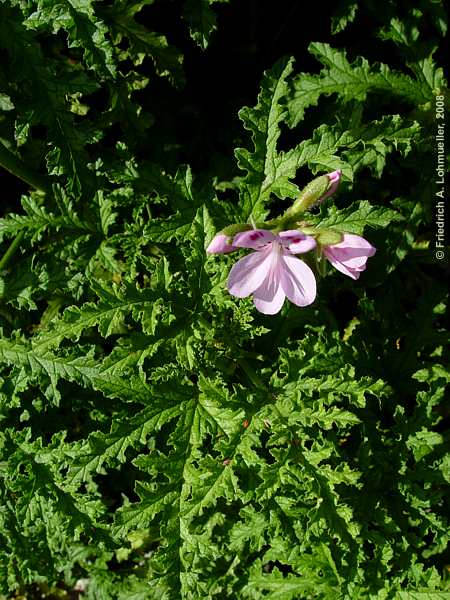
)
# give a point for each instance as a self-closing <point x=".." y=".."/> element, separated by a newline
<point x="273" y="270"/>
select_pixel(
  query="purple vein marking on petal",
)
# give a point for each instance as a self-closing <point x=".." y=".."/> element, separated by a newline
<point x="254" y="238"/>
<point x="296" y="241"/>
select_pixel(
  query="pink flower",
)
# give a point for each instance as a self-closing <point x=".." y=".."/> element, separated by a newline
<point x="333" y="179"/>
<point x="220" y="244"/>
<point x="350" y="255"/>
<point x="272" y="272"/>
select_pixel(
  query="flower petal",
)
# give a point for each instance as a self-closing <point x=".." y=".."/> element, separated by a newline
<point x="269" y="298"/>
<point x="298" y="281"/>
<point x="350" y="255"/>
<point x="353" y="262"/>
<point x="220" y="244"/>
<point x="296" y="241"/>
<point x="254" y="238"/>
<point x="249" y="272"/>
<point x="353" y="273"/>
<point x="352" y="241"/>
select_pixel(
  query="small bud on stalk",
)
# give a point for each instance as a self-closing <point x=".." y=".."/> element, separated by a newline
<point x="315" y="192"/>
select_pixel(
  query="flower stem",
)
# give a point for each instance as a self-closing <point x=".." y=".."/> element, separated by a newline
<point x="17" y="167"/>
<point x="11" y="251"/>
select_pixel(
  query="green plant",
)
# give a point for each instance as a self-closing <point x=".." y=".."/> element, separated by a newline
<point x="159" y="437"/>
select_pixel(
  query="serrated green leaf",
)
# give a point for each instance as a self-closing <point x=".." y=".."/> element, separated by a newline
<point x="83" y="27"/>
<point x="82" y="370"/>
<point x="108" y="315"/>
<point x="354" y="81"/>
<point x="355" y="219"/>
<point x="344" y="15"/>
<point x="267" y="171"/>
<point x="122" y="24"/>
<point x="202" y="20"/>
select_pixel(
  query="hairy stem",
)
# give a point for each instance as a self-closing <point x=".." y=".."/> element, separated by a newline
<point x="17" y="167"/>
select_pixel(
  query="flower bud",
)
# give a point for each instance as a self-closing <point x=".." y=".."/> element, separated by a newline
<point x="222" y="242"/>
<point x="333" y="182"/>
<point x="316" y="191"/>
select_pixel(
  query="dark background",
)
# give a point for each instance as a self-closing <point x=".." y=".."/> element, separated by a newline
<point x="251" y="36"/>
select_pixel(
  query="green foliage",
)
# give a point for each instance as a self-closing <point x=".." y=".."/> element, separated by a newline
<point x="160" y="438"/>
<point x="202" y="19"/>
<point x="354" y="219"/>
<point x="267" y="170"/>
<point x="141" y="42"/>
<point x="355" y="81"/>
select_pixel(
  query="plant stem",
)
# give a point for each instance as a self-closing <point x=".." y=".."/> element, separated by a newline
<point x="17" y="167"/>
<point x="11" y="251"/>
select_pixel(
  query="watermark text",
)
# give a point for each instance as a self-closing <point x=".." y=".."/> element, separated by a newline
<point x="439" y="243"/>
